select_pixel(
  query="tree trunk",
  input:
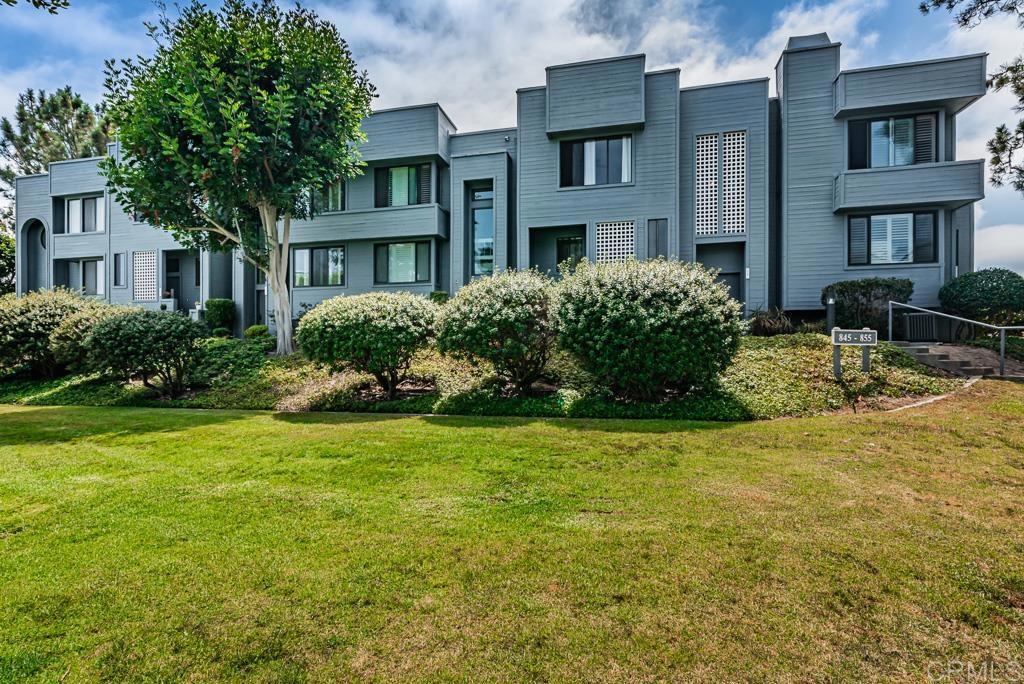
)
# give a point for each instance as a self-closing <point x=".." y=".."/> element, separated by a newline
<point x="277" y="276"/>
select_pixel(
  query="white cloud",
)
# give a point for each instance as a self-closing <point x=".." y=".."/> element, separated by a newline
<point x="1001" y="245"/>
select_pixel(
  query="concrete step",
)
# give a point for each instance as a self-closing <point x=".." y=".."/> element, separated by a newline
<point x="979" y="370"/>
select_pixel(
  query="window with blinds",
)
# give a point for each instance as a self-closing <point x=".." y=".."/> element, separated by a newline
<point x="615" y="240"/>
<point x="883" y="239"/>
<point x="893" y="141"/>
<point x="399" y="186"/>
<point x="144" y="276"/>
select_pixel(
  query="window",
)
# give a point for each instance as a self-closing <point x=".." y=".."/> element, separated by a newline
<point x="144" y="276"/>
<point x="893" y="239"/>
<point x="569" y="249"/>
<point x="92" y="277"/>
<point x="401" y="262"/>
<point x="198" y="271"/>
<point x="600" y="161"/>
<point x="119" y="275"/>
<point x="481" y="216"/>
<point x="657" y="238"/>
<point x="893" y="141"/>
<point x="720" y="183"/>
<point x="330" y="198"/>
<point x="399" y="186"/>
<point x="615" y="240"/>
<point x="318" y="267"/>
<point x="86" y="215"/>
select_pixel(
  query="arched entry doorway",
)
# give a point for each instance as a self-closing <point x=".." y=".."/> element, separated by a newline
<point x="33" y="255"/>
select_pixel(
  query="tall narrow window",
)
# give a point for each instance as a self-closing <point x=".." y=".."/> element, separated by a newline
<point x="198" y="275"/>
<point x="399" y="263"/>
<point x="598" y="161"/>
<point x="74" y="215"/>
<point x="93" y="277"/>
<point x="399" y="186"/>
<point x="300" y="268"/>
<point x="481" y="216"/>
<point x="706" y="184"/>
<point x="119" y="274"/>
<point x="657" y="238"/>
<point x="330" y="198"/>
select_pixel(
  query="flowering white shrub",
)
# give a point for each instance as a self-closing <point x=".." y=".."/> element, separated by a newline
<point x="506" y="319"/>
<point x="377" y="333"/>
<point x="641" y="326"/>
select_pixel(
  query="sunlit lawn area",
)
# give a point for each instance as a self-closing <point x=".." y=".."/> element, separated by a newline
<point x="158" y="544"/>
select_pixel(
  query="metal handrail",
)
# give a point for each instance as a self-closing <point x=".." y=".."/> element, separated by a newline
<point x="1001" y="328"/>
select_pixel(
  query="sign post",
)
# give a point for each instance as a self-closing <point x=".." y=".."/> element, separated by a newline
<point x="865" y="339"/>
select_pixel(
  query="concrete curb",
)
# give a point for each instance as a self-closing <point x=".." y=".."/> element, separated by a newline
<point x="931" y="400"/>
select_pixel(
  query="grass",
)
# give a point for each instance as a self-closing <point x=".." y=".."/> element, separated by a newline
<point x="223" y="545"/>
<point x="787" y="375"/>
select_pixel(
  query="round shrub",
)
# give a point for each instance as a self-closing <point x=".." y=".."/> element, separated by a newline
<point x="377" y="333"/>
<point x="220" y="332"/>
<point x="640" y="327"/>
<point x="67" y="341"/>
<point x="506" y="319"/>
<point x="864" y="302"/>
<point x="26" y="324"/>
<point x="994" y="295"/>
<point x="148" y="344"/>
<point x="256" y="331"/>
<point x="220" y="313"/>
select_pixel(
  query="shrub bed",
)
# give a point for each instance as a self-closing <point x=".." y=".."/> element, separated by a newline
<point x="376" y="333"/>
<point x="507" y="320"/>
<point x="220" y="314"/>
<point x="67" y="341"/>
<point x="640" y="327"/>
<point x="147" y="344"/>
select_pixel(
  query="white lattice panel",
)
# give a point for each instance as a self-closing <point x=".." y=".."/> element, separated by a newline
<point x="734" y="182"/>
<point x="706" y="184"/>
<point x="615" y="240"/>
<point x="144" y="276"/>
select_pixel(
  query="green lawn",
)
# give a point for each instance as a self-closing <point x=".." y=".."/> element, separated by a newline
<point x="141" y="544"/>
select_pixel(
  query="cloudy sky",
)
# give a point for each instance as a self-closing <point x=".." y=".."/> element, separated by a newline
<point x="471" y="55"/>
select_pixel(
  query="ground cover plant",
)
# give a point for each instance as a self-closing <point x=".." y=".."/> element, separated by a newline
<point x="142" y="545"/>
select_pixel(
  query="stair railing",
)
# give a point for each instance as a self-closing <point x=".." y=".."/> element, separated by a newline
<point x="1001" y="328"/>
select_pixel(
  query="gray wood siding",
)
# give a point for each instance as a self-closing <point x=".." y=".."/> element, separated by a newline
<point x="31" y="202"/>
<point x="407" y="132"/>
<point x="483" y="142"/>
<point x="719" y="109"/>
<point x="493" y="167"/>
<point x="955" y="82"/>
<point x="945" y="183"/>
<point x="595" y="94"/>
<point x="76" y="177"/>
<point x="652" y="194"/>
<point x="417" y="220"/>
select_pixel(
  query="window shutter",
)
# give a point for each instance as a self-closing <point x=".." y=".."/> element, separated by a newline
<point x="858" y="241"/>
<point x="901" y="229"/>
<point x="424" y="184"/>
<point x="924" y="139"/>
<point x="924" y="238"/>
<point x="381" y="189"/>
<point x="858" y="136"/>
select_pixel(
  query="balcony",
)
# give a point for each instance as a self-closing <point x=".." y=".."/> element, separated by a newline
<point x="951" y="83"/>
<point x="946" y="184"/>
<point x="413" y="221"/>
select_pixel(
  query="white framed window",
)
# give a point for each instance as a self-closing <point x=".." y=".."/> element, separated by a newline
<point x="706" y="184"/>
<point x="74" y="214"/>
<point x="92" y="277"/>
<point x="892" y="239"/>
<point x="144" y="276"/>
<point x="615" y="240"/>
<point x="86" y="214"/>
<point x="318" y="266"/>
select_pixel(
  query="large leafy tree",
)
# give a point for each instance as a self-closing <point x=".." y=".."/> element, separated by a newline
<point x="228" y="127"/>
<point x="47" y="127"/>
<point x="1006" y="144"/>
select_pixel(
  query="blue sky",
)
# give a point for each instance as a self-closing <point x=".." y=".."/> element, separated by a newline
<point x="471" y="55"/>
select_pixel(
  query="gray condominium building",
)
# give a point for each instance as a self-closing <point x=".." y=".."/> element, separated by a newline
<point x="842" y="174"/>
